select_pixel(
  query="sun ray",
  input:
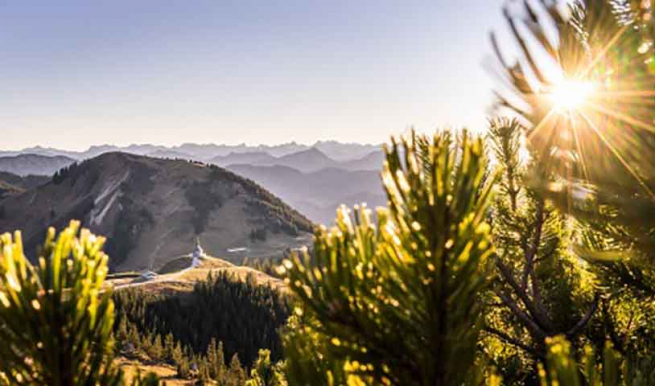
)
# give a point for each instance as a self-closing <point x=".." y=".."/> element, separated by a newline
<point x="541" y="124"/>
<point x="630" y="93"/>
<point x="576" y="138"/>
<point x="623" y="117"/>
<point x="585" y="72"/>
<point x="616" y="153"/>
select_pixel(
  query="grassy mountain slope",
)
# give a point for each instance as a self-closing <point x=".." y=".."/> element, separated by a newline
<point x="13" y="185"/>
<point x="8" y="190"/>
<point x="24" y="182"/>
<point x="176" y="289"/>
<point x="152" y="210"/>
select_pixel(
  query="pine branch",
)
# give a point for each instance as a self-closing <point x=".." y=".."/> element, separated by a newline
<point x="539" y="315"/>
<point x="413" y="271"/>
<point x="533" y="327"/>
<point x="56" y="320"/>
<point x="534" y="246"/>
<point x="515" y="342"/>
<point x="613" y="335"/>
<point x="573" y="332"/>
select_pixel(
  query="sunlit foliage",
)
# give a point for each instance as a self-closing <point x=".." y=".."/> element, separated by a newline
<point x="541" y="289"/>
<point x="55" y="319"/>
<point x="597" y="58"/>
<point x="398" y="302"/>
<point x="583" y="87"/>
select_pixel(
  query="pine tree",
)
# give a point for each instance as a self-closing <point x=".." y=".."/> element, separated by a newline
<point x="180" y="361"/>
<point x="220" y="368"/>
<point x="203" y="370"/>
<point x="541" y="287"/>
<point x="265" y="373"/>
<point x="183" y="367"/>
<point x="599" y="149"/>
<point x="169" y="347"/>
<point x="215" y="359"/>
<point x="564" y="368"/>
<point x="236" y="376"/>
<point x="133" y="337"/>
<point x="597" y="154"/>
<point x="56" y="321"/>
<point x="146" y="343"/>
<point x="398" y="303"/>
<point x="122" y="332"/>
<point x="157" y="349"/>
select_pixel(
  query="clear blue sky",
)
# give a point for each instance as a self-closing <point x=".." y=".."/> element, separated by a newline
<point x="77" y="73"/>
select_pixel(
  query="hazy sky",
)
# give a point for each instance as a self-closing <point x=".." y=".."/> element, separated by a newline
<point x="76" y="73"/>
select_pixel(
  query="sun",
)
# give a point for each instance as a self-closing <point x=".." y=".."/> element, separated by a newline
<point x="570" y="94"/>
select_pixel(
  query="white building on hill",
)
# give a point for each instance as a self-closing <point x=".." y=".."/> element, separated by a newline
<point x="148" y="275"/>
<point x="197" y="254"/>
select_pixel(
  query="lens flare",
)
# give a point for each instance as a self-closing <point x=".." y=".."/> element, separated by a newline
<point x="569" y="94"/>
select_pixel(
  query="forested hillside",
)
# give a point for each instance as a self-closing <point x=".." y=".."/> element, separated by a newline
<point x="244" y="316"/>
<point x="215" y="332"/>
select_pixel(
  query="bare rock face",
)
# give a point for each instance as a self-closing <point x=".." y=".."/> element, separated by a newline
<point x="153" y="210"/>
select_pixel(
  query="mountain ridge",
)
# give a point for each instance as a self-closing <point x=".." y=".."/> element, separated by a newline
<point x="152" y="209"/>
<point x="317" y="194"/>
<point x="204" y="152"/>
<point x="306" y="161"/>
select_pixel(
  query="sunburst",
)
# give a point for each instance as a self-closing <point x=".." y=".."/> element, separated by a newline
<point x="576" y="98"/>
<point x="571" y="94"/>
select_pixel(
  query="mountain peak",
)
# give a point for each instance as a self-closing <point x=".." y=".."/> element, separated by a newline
<point x="314" y="151"/>
<point x="308" y="160"/>
<point x="138" y="202"/>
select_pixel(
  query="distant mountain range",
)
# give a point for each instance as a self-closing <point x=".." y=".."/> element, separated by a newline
<point x="248" y="158"/>
<point x="314" y="180"/>
<point x="306" y="161"/>
<point x="204" y="152"/>
<point x="33" y="164"/>
<point x="152" y="209"/>
<point x="311" y="181"/>
<point x="320" y="193"/>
